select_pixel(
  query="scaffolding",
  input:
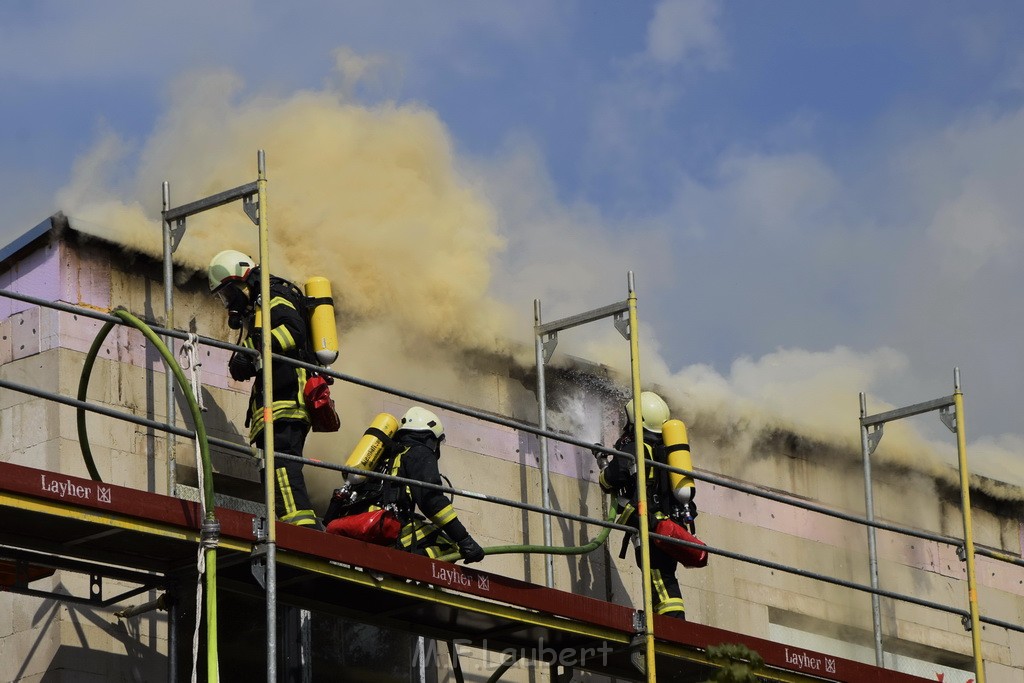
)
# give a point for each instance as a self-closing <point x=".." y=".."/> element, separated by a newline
<point x="151" y="539"/>
<point x="871" y="431"/>
<point x="26" y="508"/>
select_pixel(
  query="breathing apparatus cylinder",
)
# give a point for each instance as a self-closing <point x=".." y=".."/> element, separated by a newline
<point x="370" y="447"/>
<point x="677" y="447"/>
<point x="322" y="328"/>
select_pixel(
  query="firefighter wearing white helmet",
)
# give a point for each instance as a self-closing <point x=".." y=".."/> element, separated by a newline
<point x="618" y="476"/>
<point x="234" y="279"/>
<point x="414" y="455"/>
<point x="653" y="412"/>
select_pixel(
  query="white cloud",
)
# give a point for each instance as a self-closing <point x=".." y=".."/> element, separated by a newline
<point x="566" y="255"/>
<point x="973" y="230"/>
<point x="777" y="194"/>
<point x="686" y="31"/>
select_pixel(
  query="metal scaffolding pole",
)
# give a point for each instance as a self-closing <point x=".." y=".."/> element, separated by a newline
<point x="868" y="442"/>
<point x="254" y="203"/>
<point x="542" y="422"/>
<point x="169" y="246"/>
<point x="269" y="471"/>
<point x="544" y="348"/>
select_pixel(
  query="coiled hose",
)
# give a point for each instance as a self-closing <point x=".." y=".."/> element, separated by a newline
<point x="210" y="520"/>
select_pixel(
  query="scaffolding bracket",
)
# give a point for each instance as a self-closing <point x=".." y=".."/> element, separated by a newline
<point x="874" y="436"/>
<point x="251" y="206"/>
<point x="621" y="323"/>
<point x="639" y="622"/>
<point x="258" y="556"/>
<point x="548" y="345"/>
<point x="95" y="594"/>
<point x="949" y="419"/>
<point x="258" y="563"/>
<point x="176" y="230"/>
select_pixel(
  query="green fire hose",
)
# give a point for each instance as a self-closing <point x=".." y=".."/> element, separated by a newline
<point x="210" y="527"/>
<point x="592" y="545"/>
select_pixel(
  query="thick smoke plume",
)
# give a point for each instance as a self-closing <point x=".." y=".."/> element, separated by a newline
<point x="428" y="264"/>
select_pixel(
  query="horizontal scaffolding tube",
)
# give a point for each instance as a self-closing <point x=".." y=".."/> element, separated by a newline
<point x="455" y="492"/>
<point x="8" y="552"/>
<point x="211" y="202"/>
<point x="796" y="502"/>
<point x="109" y="412"/>
<point x="128" y="417"/>
<point x="834" y="581"/>
<point x="909" y="411"/>
<point x="581" y="318"/>
<point x="351" y="379"/>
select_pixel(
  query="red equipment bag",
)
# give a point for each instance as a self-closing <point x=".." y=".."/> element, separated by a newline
<point x="322" y="415"/>
<point x="683" y="554"/>
<point x="374" y="526"/>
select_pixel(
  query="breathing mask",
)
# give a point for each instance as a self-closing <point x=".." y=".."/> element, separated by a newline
<point x="236" y="302"/>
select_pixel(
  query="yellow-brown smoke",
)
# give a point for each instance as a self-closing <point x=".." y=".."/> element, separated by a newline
<point x="371" y="198"/>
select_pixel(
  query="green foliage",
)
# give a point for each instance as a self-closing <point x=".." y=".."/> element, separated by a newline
<point x="738" y="663"/>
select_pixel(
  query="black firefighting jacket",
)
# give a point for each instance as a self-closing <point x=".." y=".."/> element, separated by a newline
<point x="289" y="337"/>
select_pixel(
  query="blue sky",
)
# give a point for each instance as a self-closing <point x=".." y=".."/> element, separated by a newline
<point x="801" y="187"/>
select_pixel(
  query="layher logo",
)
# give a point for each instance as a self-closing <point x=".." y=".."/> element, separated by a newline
<point x="67" y="488"/>
<point x="808" y="662"/>
<point x="452" y="575"/>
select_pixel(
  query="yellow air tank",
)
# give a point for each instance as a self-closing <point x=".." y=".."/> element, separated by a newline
<point x="677" y="447"/>
<point x="322" y="329"/>
<point x="370" y="447"/>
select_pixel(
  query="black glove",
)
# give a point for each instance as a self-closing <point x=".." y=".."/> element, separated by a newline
<point x="470" y="550"/>
<point x="242" y="366"/>
<point x="597" y="453"/>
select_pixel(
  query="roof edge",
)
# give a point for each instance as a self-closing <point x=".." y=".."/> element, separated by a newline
<point x="55" y="225"/>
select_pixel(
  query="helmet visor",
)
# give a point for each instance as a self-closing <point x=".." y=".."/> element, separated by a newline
<point x="232" y="297"/>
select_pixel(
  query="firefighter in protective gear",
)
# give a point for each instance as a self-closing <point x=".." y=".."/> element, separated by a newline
<point x="235" y="280"/>
<point x="414" y="454"/>
<point x="618" y="476"/>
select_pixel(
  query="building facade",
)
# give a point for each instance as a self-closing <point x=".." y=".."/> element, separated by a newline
<point x="744" y="589"/>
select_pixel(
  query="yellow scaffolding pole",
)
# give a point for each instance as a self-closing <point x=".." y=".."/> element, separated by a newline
<point x="965" y="498"/>
<point x="641" y="487"/>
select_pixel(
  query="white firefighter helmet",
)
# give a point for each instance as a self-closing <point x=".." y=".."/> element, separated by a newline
<point x="229" y="266"/>
<point x="418" y="419"/>
<point x="654" y="411"/>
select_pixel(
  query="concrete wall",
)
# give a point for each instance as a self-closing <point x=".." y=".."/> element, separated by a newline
<point x="45" y="348"/>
